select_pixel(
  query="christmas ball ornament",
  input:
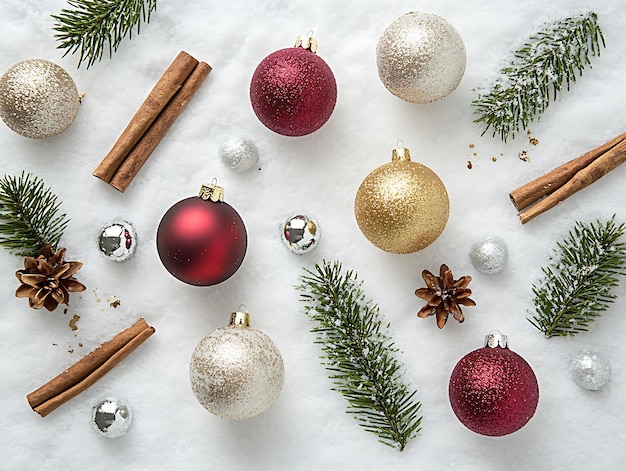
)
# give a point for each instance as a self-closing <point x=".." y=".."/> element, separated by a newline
<point x="300" y="233"/>
<point x="38" y="98"/>
<point x="590" y="370"/>
<point x="236" y="372"/>
<point x="117" y="241"/>
<point x="202" y="240"/>
<point x="239" y="154"/>
<point x="420" y="57"/>
<point x="293" y="91"/>
<point x="111" y="418"/>
<point x="493" y="391"/>
<point x="489" y="256"/>
<point x="402" y="206"/>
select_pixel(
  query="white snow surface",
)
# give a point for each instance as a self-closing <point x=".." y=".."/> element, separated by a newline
<point x="307" y="428"/>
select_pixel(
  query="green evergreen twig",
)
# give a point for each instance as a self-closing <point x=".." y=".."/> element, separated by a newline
<point x="93" y="25"/>
<point x="29" y="216"/>
<point x="550" y="60"/>
<point x="359" y="355"/>
<point x="576" y="288"/>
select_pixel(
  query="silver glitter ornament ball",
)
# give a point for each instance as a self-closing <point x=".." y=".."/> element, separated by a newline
<point x="38" y="98"/>
<point x="236" y="372"/>
<point x="117" y="241"/>
<point x="590" y="370"/>
<point x="111" y="417"/>
<point x="489" y="256"/>
<point x="239" y="154"/>
<point x="420" y="57"/>
<point x="300" y="233"/>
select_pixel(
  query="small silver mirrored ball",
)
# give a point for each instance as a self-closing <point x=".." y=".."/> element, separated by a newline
<point x="239" y="154"/>
<point x="489" y="256"/>
<point x="590" y="370"/>
<point x="300" y="233"/>
<point x="111" y="417"/>
<point x="117" y="241"/>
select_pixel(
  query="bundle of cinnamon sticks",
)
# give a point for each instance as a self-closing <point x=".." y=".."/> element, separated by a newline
<point x="545" y="192"/>
<point x="156" y="115"/>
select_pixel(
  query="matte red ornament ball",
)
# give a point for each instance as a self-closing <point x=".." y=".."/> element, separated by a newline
<point x="293" y="91"/>
<point x="493" y="391"/>
<point x="201" y="242"/>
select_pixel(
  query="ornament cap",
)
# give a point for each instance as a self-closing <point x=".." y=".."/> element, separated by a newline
<point x="401" y="153"/>
<point x="307" y="42"/>
<point x="211" y="191"/>
<point x="239" y="319"/>
<point x="496" y="339"/>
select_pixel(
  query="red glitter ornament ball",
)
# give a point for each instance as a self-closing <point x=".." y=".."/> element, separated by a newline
<point x="293" y="91"/>
<point x="201" y="242"/>
<point x="493" y="391"/>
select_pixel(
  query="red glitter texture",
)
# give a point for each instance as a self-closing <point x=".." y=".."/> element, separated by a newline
<point x="201" y="242"/>
<point x="293" y="91"/>
<point x="493" y="391"/>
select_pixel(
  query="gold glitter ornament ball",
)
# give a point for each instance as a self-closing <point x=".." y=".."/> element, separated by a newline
<point x="402" y="206"/>
<point x="38" y="98"/>
<point x="236" y="372"/>
<point x="420" y="57"/>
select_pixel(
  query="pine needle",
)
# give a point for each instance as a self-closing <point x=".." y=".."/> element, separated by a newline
<point x="29" y="216"/>
<point x="359" y="355"/>
<point x="576" y="287"/>
<point x="550" y="61"/>
<point x="92" y="26"/>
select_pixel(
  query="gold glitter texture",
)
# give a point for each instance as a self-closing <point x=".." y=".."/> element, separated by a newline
<point x="38" y="99"/>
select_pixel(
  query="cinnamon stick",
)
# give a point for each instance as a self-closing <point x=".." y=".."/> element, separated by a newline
<point x="169" y="83"/>
<point x="149" y="141"/>
<point x="88" y="370"/>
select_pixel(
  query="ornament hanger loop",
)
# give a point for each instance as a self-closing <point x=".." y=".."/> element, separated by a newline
<point x="242" y="308"/>
<point x="211" y="191"/>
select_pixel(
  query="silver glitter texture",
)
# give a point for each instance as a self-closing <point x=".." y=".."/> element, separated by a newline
<point x="38" y="98"/>
<point x="117" y="241"/>
<point x="590" y="370"/>
<point x="421" y="57"/>
<point x="489" y="256"/>
<point x="111" y="417"/>
<point x="300" y="233"/>
<point x="236" y="372"/>
<point x="239" y="154"/>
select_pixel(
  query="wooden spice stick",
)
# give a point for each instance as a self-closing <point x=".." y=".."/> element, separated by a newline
<point x="608" y="161"/>
<point x="169" y="83"/>
<point x="88" y="370"/>
<point x="149" y="141"/>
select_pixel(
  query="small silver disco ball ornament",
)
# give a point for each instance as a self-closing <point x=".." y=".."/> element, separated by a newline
<point x="590" y="370"/>
<point x="111" y="418"/>
<point x="300" y="233"/>
<point x="489" y="256"/>
<point x="117" y="241"/>
<point x="239" y="154"/>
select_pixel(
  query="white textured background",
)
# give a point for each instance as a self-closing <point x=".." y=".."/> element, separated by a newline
<point x="307" y="427"/>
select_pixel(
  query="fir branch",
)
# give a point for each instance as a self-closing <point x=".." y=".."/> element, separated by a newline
<point x="576" y="288"/>
<point x="93" y="25"/>
<point x="29" y="216"/>
<point x="359" y="355"/>
<point x="550" y="60"/>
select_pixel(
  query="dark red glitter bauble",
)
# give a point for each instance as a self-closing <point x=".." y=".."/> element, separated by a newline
<point x="201" y="242"/>
<point x="293" y="91"/>
<point x="493" y="391"/>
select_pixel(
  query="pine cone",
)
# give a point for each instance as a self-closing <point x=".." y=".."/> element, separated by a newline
<point x="444" y="295"/>
<point x="47" y="279"/>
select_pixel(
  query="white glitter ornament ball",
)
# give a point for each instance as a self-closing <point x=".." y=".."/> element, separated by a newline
<point x="236" y="372"/>
<point x="239" y="154"/>
<point x="489" y="256"/>
<point x="38" y="98"/>
<point x="420" y="57"/>
<point x="111" y="418"/>
<point x="300" y="233"/>
<point x="590" y="370"/>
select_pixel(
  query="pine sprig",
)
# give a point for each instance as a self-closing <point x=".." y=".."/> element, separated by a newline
<point x="552" y="59"/>
<point x="29" y="215"/>
<point x="92" y="26"/>
<point x="576" y="287"/>
<point x="359" y="355"/>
